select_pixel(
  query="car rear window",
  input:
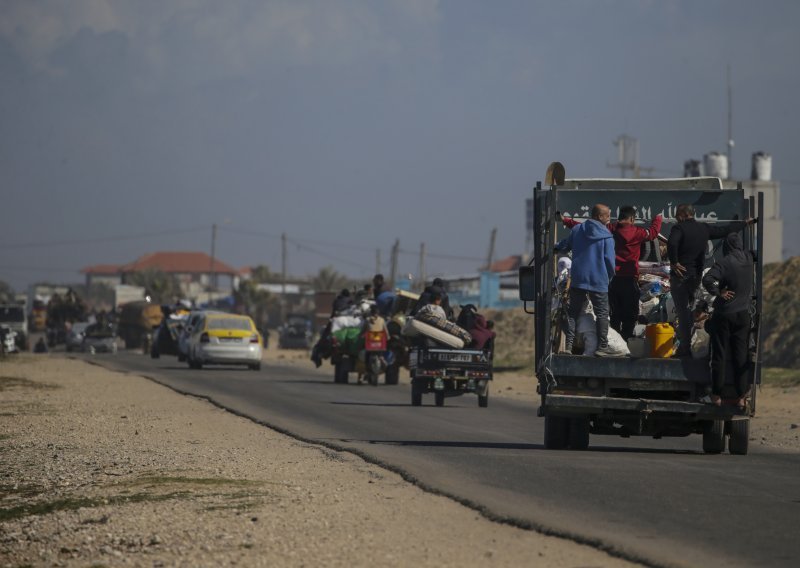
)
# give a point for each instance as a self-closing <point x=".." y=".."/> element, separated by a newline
<point x="229" y="323"/>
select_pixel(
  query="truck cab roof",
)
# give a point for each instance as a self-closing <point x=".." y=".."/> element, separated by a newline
<point x="705" y="183"/>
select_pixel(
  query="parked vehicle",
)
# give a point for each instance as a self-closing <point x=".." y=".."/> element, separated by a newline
<point x="100" y="338"/>
<point x="61" y="312"/>
<point x="137" y="321"/>
<point x="14" y="318"/>
<point x="627" y="396"/>
<point x="296" y="332"/>
<point x="225" y="339"/>
<point x="8" y="340"/>
<point x="166" y="335"/>
<point x="75" y="335"/>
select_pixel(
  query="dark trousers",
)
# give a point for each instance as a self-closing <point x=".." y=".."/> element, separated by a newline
<point x="623" y="297"/>
<point x="729" y="334"/>
<point x="577" y="299"/>
<point x="683" y="290"/>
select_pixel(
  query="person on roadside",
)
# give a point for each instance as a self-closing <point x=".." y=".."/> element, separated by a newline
<point x="731" y="281"/>
<point x="378" y="285"/>
<point x="593" y="267"/>
<point x="686" y="249"/>
<point x="623" y="291"/>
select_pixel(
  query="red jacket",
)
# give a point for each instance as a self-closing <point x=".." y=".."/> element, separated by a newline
<point x="628" y="239"/>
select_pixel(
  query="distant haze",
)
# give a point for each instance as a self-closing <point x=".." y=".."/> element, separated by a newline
<point x="132" y="127"/>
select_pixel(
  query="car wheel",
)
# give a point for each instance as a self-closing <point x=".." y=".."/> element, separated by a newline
<point x="255" y="367"/>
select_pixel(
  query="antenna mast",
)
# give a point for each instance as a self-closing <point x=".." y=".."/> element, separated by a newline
<point x="730" y="125"/>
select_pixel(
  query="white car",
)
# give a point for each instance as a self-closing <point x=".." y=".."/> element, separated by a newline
<point x="74" y="341"/>
<point x="225" y="339"/>
<point x="185" y="336"/>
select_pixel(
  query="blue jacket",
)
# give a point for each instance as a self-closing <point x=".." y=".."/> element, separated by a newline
<point x="592" y="247"/>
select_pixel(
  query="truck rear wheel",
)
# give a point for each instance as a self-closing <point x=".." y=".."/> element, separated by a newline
<point x="340" y="372"/>
<point x="438" y="398"/>
<point x="392" y="375"/>
<point x="483" y="399"/>
<point x="740" y="436"/>
<point x="556" y="431"/>
<point x="416" y="393"/>
<point x="714" y="436"/>
<point x="579" y="433"/>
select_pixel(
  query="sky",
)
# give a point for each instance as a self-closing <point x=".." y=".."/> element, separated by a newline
<point x="133" y="127"/>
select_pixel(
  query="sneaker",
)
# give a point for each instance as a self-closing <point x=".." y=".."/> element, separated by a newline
<point x="607" y="352"/>
<point x="710" y="399"/>
<point x="566" y="351"/>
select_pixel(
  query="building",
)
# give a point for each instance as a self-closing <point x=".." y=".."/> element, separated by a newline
<point x="196" y="272"/>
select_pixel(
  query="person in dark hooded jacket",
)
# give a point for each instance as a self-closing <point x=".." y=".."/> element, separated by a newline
<point x="482" y="336"/>
<point x="731" y="281"/>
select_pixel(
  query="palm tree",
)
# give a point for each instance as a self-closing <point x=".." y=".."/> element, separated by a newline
<point x="328" y="280"/>
<point x="164" y="288"/>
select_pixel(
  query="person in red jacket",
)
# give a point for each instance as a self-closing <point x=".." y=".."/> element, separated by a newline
<point x="623" y="290"/>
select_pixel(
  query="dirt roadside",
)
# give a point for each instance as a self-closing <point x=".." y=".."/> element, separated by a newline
<point x="102" y="468"/>
<point x="107" y="469"/>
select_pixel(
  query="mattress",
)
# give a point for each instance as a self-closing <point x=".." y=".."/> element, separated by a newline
<point x="415" y="327"/>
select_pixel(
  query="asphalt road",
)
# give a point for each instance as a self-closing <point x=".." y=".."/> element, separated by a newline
<point x="662" y="502"/>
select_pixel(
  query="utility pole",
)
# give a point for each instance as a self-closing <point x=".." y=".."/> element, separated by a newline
<point x="628" y="156"/>
<point x="393" y="269"/>
<point x="421" y="276"/>
<point x="377" y="261"/>
<point x="213" y="280"/>
<point x="283" y="277"/>
<point x="490" y="256"/>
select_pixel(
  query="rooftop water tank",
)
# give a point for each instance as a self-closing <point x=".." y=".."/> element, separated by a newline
<point x="762" y="167"/>
<point x="716" y="165"/>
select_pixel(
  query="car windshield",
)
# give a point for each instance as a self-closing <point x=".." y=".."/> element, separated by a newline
<point x="12" y="313"/>
<point x="229" y="323"/>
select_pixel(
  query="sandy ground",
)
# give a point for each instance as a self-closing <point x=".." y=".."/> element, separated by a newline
<point x="107" y="469"/>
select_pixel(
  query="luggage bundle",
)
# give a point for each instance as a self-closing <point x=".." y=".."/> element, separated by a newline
<point x="428" y="324"/>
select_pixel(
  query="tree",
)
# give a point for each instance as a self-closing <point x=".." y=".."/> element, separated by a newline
<point x="163" y="288"/>
<point x="262" y="273"/>
<point x="254" y="302"/>
<point x="6" y="292"/>
<point x="328" y="280"/>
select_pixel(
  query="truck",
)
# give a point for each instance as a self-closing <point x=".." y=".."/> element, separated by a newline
<point x="447" y="372"/>
<point x="626" y="396"/>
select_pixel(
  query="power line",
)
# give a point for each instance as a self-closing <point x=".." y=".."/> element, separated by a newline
<point x="92" y="240"/>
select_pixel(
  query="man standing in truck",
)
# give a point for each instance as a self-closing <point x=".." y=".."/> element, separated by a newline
<point x="623" y="291"/>
<point x="731" y="281"/>
<point x="686" y="249"/>
<point x="593" y="267"/>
